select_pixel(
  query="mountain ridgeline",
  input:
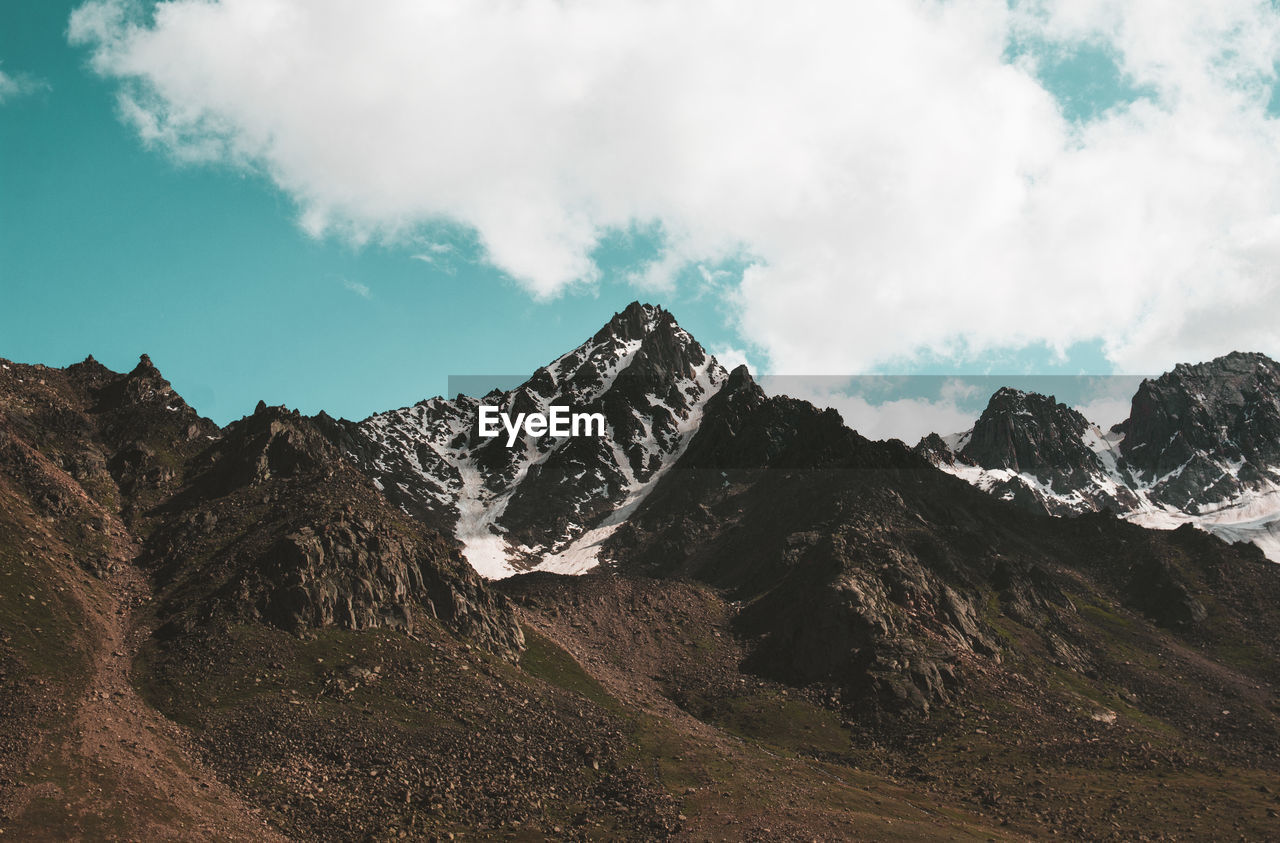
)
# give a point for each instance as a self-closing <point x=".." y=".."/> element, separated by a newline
<point x="302" y="627"/>
<point x="1201" y="446"/>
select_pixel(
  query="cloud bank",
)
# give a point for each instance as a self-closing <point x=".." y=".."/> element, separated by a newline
<point x="896" y="174"/>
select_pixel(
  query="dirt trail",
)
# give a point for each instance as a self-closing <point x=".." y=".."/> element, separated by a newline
<point x="124" y="771"/>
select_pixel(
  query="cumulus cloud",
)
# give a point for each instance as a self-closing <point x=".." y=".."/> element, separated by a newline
<point x="895" y="174"/>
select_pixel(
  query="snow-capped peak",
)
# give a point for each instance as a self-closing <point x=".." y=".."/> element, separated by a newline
<point x="1201" y="446"/>
<point x="543" y="502"/>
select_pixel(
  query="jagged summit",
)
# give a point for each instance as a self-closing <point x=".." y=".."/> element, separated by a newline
<point x="542" y="502"/>
<point x="1201" y="446"/>
<point x="634" y="321"/>
<point x="1028" y="432"/>
<point x="1226" y="409"/>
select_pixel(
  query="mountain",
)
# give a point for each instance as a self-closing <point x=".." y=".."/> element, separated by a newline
<point x="1201" y="446"/>
<point x="547" y="504"/>
<point x="277" y="630"/>
<point x="860" y="566"/>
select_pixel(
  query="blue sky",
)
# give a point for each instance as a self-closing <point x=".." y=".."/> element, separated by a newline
<point x="959" y="190"/>
<point x="113" y="249"/>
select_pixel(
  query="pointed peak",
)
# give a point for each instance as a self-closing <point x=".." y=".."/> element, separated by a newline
<point x="145" y="368"/>
<point x="91" y="367"/>
<point x="739" y="377"/>
<point x="639" y="309"/>
<point x="634" y="322"/>
<point x="936" y="450"/>
<point x="1008" y="398"/>
<point x="1006" y="394"/>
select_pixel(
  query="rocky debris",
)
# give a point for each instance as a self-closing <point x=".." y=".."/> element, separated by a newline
<point x="394" y="735"/>
<point x="1155" y="589"/>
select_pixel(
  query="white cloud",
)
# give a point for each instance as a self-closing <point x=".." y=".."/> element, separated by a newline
<point x="879" y="408"/>
<point x="730" y="357"/>
<point x="1105" y="412"/>
<point x="900" y="185"/>
<point x="361" y="290"/>
<point x="13" y="86"/>
<point x="435" y="253"/>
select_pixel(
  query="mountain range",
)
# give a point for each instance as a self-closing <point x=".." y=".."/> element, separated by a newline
<point x="1201" y="446"/>
<point x="298" y="627"/>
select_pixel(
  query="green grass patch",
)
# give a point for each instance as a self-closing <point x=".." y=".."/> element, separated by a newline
<point x="544" y="659"/>
<point x="781" y="720"/>
<point x="43" y="627"/>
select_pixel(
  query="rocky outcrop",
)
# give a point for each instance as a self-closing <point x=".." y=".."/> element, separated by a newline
<point x="275" y="526"/>
<point x="150" y="430"/>
<point x="357" y="574"/>
<point x="1186" y="424"/>
<point x="1031" y="434"/>
<point x="1155" y="589"/>
<point x="1201" y="446"/>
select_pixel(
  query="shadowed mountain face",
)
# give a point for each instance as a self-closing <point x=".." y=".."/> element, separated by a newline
<point x="1030" y="434"/>
<point x="1188" y="424"/>
<point x="263" y="519"/>
<point x="1201" y="446"/>
<point x="273" y="525"/>
<point x="276" y="630"/>
<point x="861" y="566"/>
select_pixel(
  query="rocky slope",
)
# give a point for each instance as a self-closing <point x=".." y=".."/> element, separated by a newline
<point x="273" y="525"/>
<point x="124" y="514"/>
<point x="1201" y="446"/>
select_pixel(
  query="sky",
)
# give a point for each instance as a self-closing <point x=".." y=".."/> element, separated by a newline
<point x="337" y="205"/>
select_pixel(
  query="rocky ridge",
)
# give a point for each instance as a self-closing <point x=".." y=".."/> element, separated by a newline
<point x="1201" y="446"/>
<point x="861" y="567"/>
<point x="292" y="535"/>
